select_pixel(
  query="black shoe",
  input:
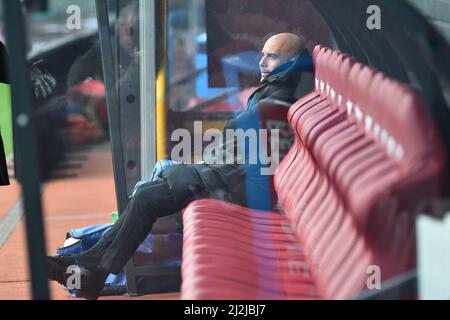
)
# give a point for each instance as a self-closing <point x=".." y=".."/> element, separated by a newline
<point x="91" y="282"/>
<point x="57" y="268"/>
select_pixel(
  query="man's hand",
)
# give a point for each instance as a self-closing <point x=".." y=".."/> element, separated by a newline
<point x="43" y="82"/>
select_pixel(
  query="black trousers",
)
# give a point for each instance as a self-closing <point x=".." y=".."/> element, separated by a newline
<point x="176" y="188"/>
<point x="151" y="201"/>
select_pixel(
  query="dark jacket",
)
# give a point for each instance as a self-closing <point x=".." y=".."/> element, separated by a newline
<point x="4" y="180"/>
<point x="282" y="83"/>
<point x="238" y="183"/>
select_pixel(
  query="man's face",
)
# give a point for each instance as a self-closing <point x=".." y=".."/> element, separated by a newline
<point x="270" y="60"/>
<point x="277" y="50"/>
<point x="127" y="36"/>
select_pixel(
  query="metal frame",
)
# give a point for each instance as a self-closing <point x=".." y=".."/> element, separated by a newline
<point x="148" y="118"/>
<point x="148" y="85"/>
<point x="24" y="137"/>
<point x="112" y="102"/>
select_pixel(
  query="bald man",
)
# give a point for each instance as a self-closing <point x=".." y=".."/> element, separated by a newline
<point x="279" y="49"/>
<point x="281" y="65"/>
<point x="239" y="182"/>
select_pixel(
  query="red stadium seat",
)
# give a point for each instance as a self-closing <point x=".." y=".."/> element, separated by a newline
<point x="366" y="155"/>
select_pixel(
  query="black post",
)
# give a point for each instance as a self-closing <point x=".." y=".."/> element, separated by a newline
<point x="26" y="146"/>
<point x="112" y="103"/>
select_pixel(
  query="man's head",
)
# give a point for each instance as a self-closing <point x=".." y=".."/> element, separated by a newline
<point x="129" y="26"/>
<point x="278" y="50"/>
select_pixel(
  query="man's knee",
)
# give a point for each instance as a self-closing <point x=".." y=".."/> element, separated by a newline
<point x="140" y="186"/>
<point x="184" y="182"/>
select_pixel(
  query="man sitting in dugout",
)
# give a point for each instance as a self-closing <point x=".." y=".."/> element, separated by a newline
<point x="281" y="63"/>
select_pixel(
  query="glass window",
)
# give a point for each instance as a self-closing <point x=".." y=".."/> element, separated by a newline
<point x="129" y="80"/>
<point x="213" y="49"/>
<point x="49" y="22"/>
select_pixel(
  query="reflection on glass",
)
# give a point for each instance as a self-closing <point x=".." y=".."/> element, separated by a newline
<point x="128" y="71"/>
<point x="213" y="53"/>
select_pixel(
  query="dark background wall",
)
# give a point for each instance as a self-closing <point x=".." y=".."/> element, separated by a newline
<point x="437" y="12"/>
<point x="237" y="26"/>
